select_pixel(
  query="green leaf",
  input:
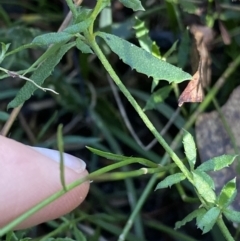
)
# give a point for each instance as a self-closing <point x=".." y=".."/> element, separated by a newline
<point x="157" y="97"/>
<point x="143" y="37"/>
<point x="108" y="155"/>
<point x="217" y="163"/>
<point x="143" y="61"/>
<point x="228" y="194"/>
<point x="39" y="76"/>
<point x="190" y="217"/>
<point x="52" y="38"/>
<point x="83" y="47"/>
<point x="78" y="27"/>
<point x="209" y="219"/>
<point x="171" y="50"/>
<point x="170" y="180"/>
<point x="135" y="5"/>
<point x="78" y="234"/>
<point x="4" y="51"/>
<point x="83" y="14"/>
<point x="190" y="149"/>
<point x="207" y="178"/>
<point x="203" y="187"/>
<point x="232" y="215"/>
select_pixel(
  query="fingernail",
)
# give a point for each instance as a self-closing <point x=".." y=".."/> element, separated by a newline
<point x="76" y="164"/>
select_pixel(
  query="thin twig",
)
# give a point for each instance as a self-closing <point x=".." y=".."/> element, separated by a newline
<point x="10" y="120"/>
<point x="15" y="74"/>
<point x="128" y="124"/>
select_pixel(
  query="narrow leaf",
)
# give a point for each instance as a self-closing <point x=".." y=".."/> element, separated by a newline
<point x="217" y="163"/>
<point x="157" y="97"/>
<point x="232" y="215"/>
<point x="209" y="219"/>
<point x="39" y="76"/>
<point x="203" y="187"/>
<point x="4" y="51"/>
<point x="143" y="61"/>
<point x="78" y="27"/>
<point x="228" y="194"/>
<point x="52" y="38"/>
<point x="83" y="47"/>
<point x="108" y="155"/>
<point x="135" y="5"/>
<point x="170" y="180"/>
<point x="190" y="217"/>
<point x="143" y="37"/>
<point x="60" y="145"/>
<point x="190" y="149"/>
<point x="171" y="50"/>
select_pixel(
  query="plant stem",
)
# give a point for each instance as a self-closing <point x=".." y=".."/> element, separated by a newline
<point x="224" y="230"/>
<point x="138" y="109"/>
<point x="72" y="8"/>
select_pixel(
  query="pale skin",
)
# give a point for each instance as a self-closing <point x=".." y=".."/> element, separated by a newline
<point x="28" y="176"/>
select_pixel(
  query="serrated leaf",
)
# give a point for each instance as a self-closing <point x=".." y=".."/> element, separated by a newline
<point x="135" y="5"/>
<point x="232" y="215"/>
<point x="157" y="97"/>
<point x="170" y="180"/>
<point x="217" y="163"/>
<point x="209" y="219"/>
<point x="190" y="149"/>
<point x="207" y="178"/>
<point x="39" y="76"/>
<point x="4" y="51"/>
<point x="83" y="47"/>
<point x="143" y="61"/>
<point x="203" y="187"/>
<point x="190" y="217"/>
<point x="78" y="27"/>
<point x="52" y="38"/>
<point x="227" y="194"/>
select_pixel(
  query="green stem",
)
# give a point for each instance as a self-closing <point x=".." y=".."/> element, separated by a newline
<point x="60" y="193"/>
<point x="142" y="115"/>
<point x="224" y="230"/>
<point x="72" y="8"/>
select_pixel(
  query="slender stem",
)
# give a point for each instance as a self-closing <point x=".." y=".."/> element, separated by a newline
<point x="72" y="7"/>
<point x="224" y="230"/>
<point x="138" y="109"/>
<point x="10" y="120"/>
<point x="60" y="193"/>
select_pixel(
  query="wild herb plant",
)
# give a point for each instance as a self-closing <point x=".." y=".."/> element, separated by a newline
<point x="147" y="60"/>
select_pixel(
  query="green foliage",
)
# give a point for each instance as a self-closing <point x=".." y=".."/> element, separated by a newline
<point x="228" y="194"/>
<point x="157" y="97"/>
<point x="190" y="149"/>
<point x="135" y="5"/>
<point x="208" y="220"/>
<point x="170" y="180"/>
<point x="84" y="104"/>
<point x="3" y="51"/>
<point x="143" y="61"/>
<point x="196" y="213"/>
<point x="217" y="163"/>
<point x="40" y="75"/>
